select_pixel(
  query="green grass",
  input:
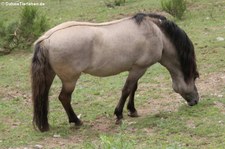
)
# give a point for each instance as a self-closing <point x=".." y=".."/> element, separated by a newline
<point x="163" y="124"/>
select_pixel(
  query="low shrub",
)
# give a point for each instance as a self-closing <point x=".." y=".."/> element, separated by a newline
<point x="21" y="34"/>
<point x="113" y="4"/>
<point x="119" y="2"/>
<point x="175" y="7"/>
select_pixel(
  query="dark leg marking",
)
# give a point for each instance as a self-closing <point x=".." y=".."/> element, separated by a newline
<point x="130" y="106"/>
<point x="65" y="98"/>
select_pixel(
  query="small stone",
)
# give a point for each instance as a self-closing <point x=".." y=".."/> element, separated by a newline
<point x="56" y="136"/>
<point x="220" y="96"/>
<point x="220" y="39"/>
<point x="38" y="146"/>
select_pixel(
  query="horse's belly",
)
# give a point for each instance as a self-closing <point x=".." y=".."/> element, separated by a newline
<point x="104" y="69"/>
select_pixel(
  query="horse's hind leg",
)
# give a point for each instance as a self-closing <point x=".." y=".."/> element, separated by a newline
<point x="65" y="98"/>
<point x="130" y="105"/>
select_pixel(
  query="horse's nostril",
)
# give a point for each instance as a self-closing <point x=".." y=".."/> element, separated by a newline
<point x="193" y="102"/>
<point x="196" y="101"/>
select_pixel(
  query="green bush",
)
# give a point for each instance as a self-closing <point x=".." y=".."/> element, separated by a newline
<point x="21" y="34"/>
<point x="2" y="29"/>
<point x="175" y="7"/>
<point x="112" y="4"/>
<point x="8" y="32"/>
<point x="32" y="25"/>
<point x="119" y="2"/>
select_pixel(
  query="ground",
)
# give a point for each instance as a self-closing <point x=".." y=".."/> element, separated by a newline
<point x="165" y="119"/>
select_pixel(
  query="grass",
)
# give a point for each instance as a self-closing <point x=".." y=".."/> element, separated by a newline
<point x="166" y="121"/>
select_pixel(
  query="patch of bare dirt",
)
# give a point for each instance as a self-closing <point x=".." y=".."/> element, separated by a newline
<point x="56" y="141"/>
<point x="212" y="84"/>
<point x="7" y="94"/>
<point x="11" y="94"/>
<point x="220" y="106"/>
<point x="154" y="106"/>
<point x="103" y="124"/>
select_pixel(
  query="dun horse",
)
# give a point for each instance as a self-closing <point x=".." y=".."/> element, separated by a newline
<point x="132" y="44"/>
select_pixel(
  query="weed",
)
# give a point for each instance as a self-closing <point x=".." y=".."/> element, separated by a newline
<point x="21" y="34"/>
<point x="118" y="141"/>
<point x="119" y="2"/>
<point x="174" y="7"/>
<point x="111" y="4"/>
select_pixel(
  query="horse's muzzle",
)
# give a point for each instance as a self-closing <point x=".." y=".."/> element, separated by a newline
<point x="193" y="102"/>
<point x="191" y="98"/>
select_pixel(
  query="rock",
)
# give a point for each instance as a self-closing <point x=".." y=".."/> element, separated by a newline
<point x="220" y="39"/>
<point x="56" y="136"/>
<point x="38" y="146"/>
<point x="220" y="96"/>
<point x="220" y="122"/>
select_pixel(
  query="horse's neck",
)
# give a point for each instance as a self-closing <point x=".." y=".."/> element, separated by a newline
<point x="170" y="60"/>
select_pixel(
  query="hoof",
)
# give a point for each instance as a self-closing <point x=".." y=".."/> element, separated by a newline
<point x="118" y="121"/>
<point x="133" y="114"/>
<point x="76" y="125"/>
<point x="80" y="123"/>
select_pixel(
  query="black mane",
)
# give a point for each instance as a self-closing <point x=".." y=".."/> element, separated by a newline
<point x="139" y="17"/>
<point x="180" y="40"/>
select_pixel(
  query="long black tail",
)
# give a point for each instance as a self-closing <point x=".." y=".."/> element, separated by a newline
<point x="42" y="76"/>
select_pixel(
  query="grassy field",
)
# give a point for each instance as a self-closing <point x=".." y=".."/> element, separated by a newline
<point x="165" y="122"/>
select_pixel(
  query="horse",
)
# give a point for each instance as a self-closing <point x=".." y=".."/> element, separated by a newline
<point x="130" y="44"/>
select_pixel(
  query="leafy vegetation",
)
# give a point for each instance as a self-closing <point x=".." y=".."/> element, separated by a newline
<point x="112" y="4"/>
<point x="174" y="7"/>
<point x="119" y="2"/>
<point x="166" y="121"/>
<point x="22" y="33"/>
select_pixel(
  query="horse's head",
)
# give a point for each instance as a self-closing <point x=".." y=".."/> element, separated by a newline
<point x="187" y="90"/>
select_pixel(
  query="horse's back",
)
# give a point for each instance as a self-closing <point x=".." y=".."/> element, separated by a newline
<point x="69" y="24"/>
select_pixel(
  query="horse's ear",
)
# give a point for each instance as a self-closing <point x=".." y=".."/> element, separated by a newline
<point x="139" y="17"/>
<point x="157" y="16"/>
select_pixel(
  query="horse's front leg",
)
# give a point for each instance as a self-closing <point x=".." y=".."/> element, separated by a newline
<point x="129" y="87"/>
<point x="130" y="106"/>
<point x="125" y="93"/>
